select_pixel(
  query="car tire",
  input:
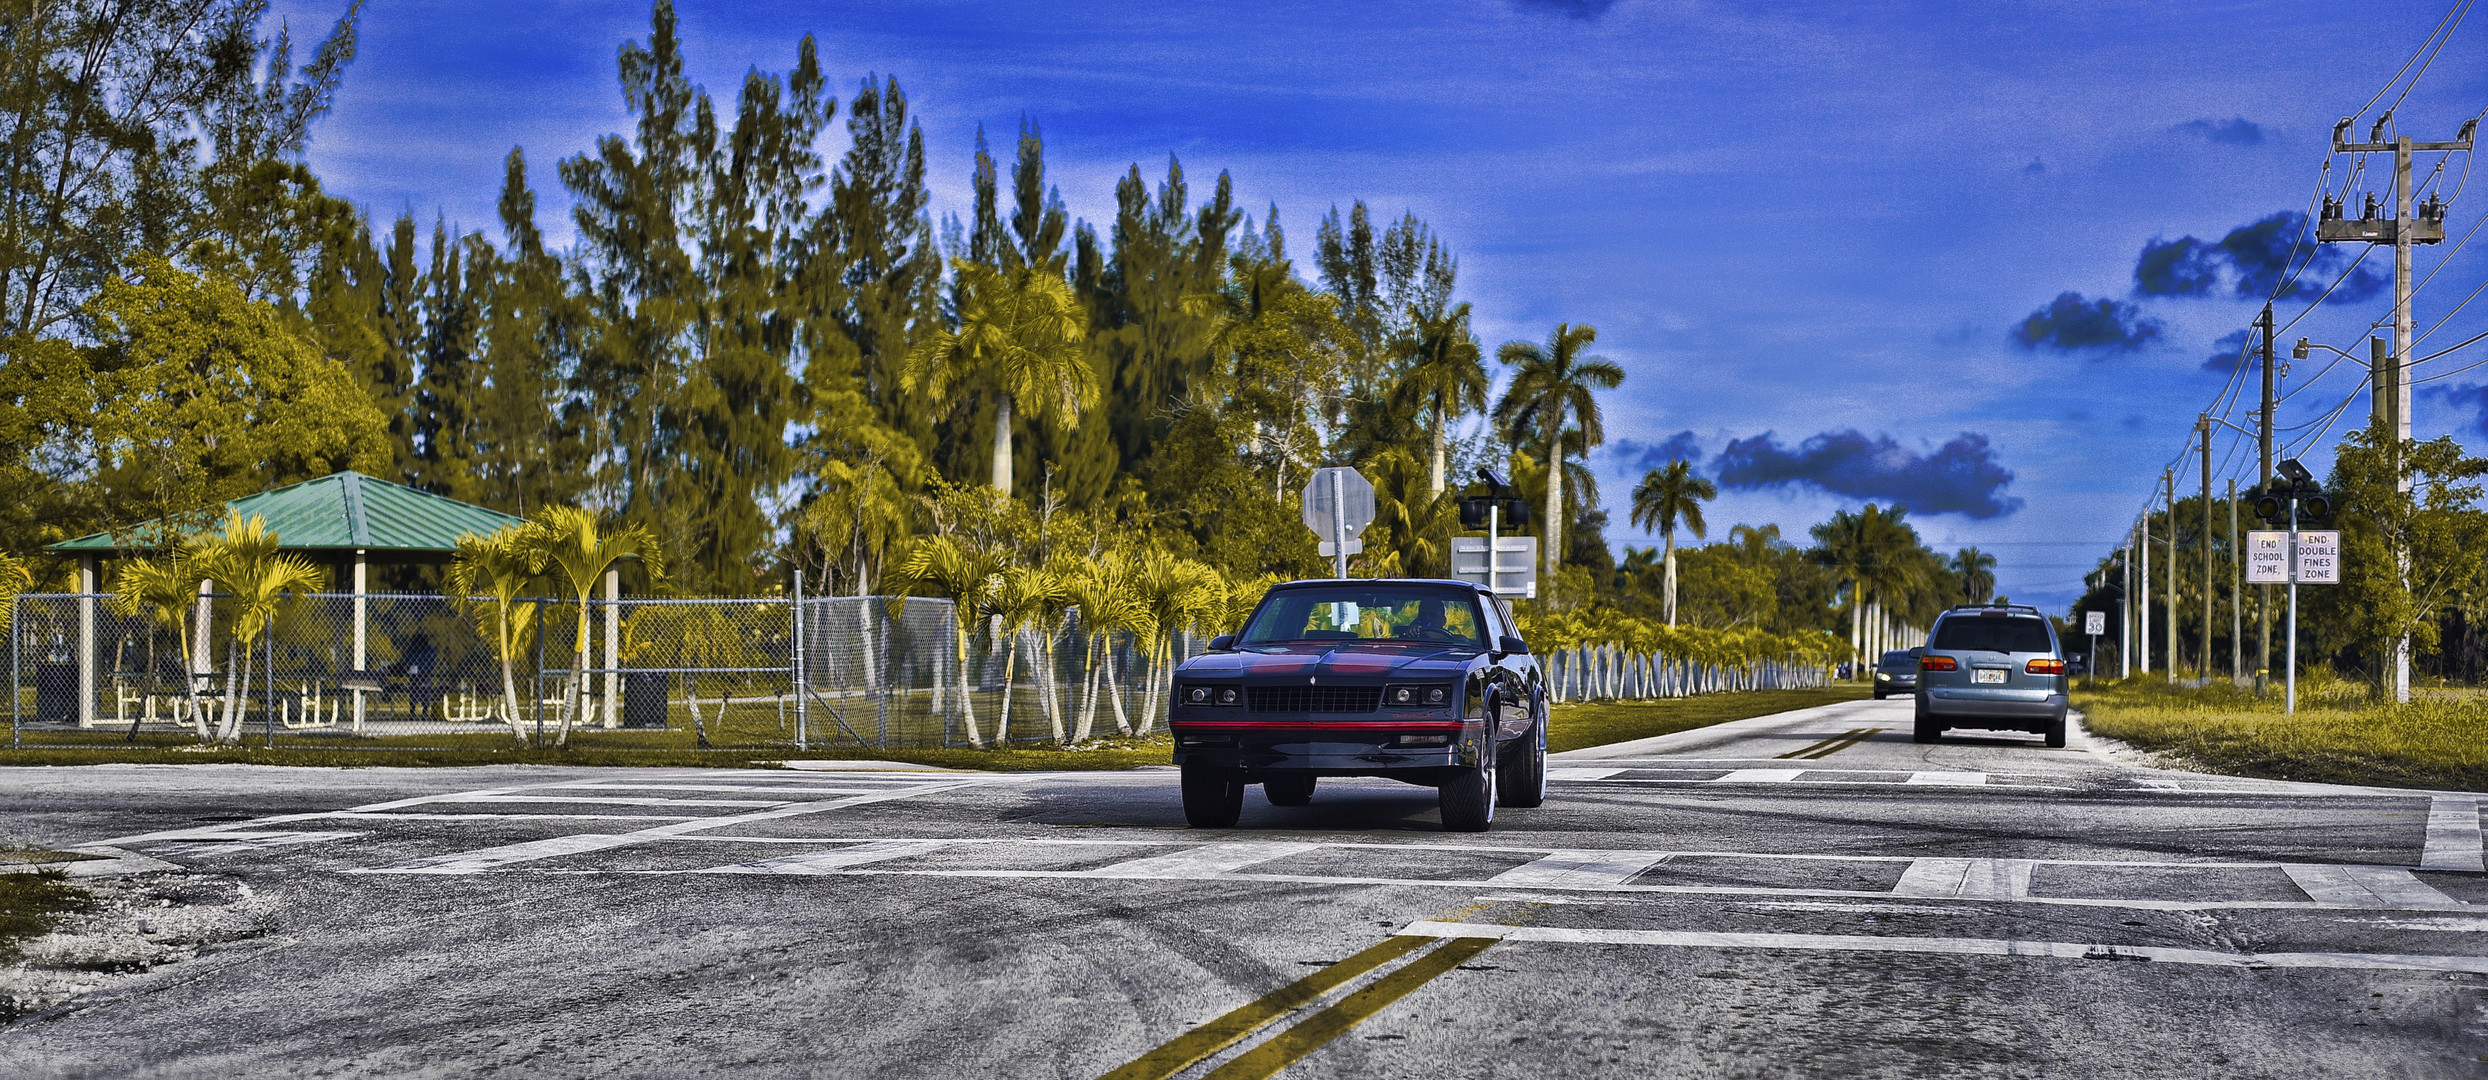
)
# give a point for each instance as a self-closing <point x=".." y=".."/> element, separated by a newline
<point x="1213" y="797"/>
<point x="1927" y="729"/>
<point x="1523" y="780"/>
<point x="1288" y="789"/>
<point x="1467" y="801"/>
<point x="1878" y="695"/>
<point x="2055" y="734"/>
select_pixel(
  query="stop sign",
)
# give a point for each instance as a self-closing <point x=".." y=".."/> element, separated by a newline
<point x="1328" y="493"/>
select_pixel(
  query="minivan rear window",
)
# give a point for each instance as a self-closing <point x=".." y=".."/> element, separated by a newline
<point x="1988" y="634"/>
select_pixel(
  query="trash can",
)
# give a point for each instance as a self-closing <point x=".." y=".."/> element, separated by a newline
<point x="643" y="699"/>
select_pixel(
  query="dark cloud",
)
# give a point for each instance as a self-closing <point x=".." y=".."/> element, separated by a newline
<point x="2257" y="255"/>
<point x="2035" y="168"/>
<point x="1638" y="456"/>
<point x="1584" y="10"/>
<point x="2071" y="324"/>
<point x="2223" y="359"/>
<point x="2466" y="397"/>
<point x="1960" y="477"/>
<point x="2234" y="131"/>
<point x="2181" y="267"/>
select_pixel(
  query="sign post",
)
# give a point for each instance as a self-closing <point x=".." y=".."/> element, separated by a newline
<point x="1338" y="504"/>
<point x="2094" y="623"/>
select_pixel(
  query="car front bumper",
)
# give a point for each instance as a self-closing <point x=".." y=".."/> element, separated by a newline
<point x="1330" y="748"/>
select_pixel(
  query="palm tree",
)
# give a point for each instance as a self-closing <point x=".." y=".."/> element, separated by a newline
<point x="1555" y="387"/>
<point x="1446" y="372"/>
<point x="1023" y="333"/>
<point x="167" y="592"/>
<point x="1662" y="499"/>
<point x="1978" y="574"/>
<point x="1175" y="593"/>
<point x="965" y="575"/>
<point x="1104" y="591"/>
<point x="571" y="540"/>
<point x="15" y="578"/>
<point x="263" y="582"/>
<point x="1023" y="597"/>
<point x="487" y="577"/>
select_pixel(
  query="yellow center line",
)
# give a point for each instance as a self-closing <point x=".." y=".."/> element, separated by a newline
<point x="1317" y="1031"/>
<point x="1852" y="733"/>
<point x="1852" y="739"/>
<point x="1189" y="1048"/>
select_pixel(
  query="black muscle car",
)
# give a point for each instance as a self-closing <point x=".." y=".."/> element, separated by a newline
<point x="1426" y="682"/>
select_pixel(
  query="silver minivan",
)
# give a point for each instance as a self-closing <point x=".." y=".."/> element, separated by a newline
<point x="1994" y="667"/>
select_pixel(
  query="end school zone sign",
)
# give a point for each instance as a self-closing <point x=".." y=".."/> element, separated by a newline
<point x="2319" y="557"/>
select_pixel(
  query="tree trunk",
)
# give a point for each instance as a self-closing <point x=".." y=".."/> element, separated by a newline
<point x="1551" y="531"/>
<point x="967" y="705"/>
<point x="1670" y="537"/>
<point x="1002" y="443"/>
<point x="1010" y="673"/>
<point x="1441" y="421"/>
<point x="509" y="675"/>
<point x="1046" y="685"/>
<point x="1114" y="693"/>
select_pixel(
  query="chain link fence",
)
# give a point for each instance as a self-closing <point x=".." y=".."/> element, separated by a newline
<point x="379" y="669"/>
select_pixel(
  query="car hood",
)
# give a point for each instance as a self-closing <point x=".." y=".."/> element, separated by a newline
<point x="1355" y="662"/>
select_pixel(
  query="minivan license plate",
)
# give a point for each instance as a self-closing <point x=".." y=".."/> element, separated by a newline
<point x="1987" y="675"/>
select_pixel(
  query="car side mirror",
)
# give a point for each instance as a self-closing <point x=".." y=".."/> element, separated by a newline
<point x="1513" y="646"/>
<point x="1917" y="652"/>
<point x="1222" y="643"/>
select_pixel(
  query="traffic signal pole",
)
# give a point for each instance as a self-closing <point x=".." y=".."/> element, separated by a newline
<point x="2168" y="484"/>
<point x="2204" y="436"/>
<point x="2263" y="440"/>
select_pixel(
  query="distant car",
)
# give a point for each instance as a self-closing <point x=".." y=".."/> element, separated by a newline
<point x="1425" y="682"/>
<point x="1896" y="673"/>
<point x="1995" y="667"/>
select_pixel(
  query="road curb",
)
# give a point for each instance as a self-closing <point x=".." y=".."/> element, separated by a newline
<point x="1697" y="738"/>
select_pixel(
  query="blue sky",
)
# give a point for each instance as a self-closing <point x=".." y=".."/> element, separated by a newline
<point x="1828" y="241"/>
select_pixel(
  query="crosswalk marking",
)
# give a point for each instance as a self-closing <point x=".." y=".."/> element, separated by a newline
<point x="825" y="862"/>
<point x="1577" y="773"/>
<point x="1759" y="776"/>
<point x="1969" y="779"/>
<point x="2453" y="841"/>
<point x="2366" y="887"/>
<point x="619" y="800"/>
<point x="1202" y="861"/>
<point x="1578" y="869"/>
<point x="1971" y="879"/>
<point x="237" y="842"/>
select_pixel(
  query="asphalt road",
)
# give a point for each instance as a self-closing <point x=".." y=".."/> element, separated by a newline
<point x="1807" y="894"/>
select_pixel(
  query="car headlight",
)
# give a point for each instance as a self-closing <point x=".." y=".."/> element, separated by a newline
<point x="1884" y="675"/>
<point x="1212" y="695"/>
<point x="1415" y="696"/>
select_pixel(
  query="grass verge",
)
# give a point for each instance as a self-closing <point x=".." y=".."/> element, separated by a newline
<point x="1573" y="727"/>
<point x="2337" y="736"/>
<point x="30" y="902"/>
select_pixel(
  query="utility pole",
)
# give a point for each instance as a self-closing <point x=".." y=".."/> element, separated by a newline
<point x="2168" y="486"/>
<point x="2237" y="594"/>
<point x="2204" y="435"/>
<point x="2401" y="230"/>
<point x="2142" y="597"/>
<point x="2263" y="440"/>
<point x="2125" y="614"/>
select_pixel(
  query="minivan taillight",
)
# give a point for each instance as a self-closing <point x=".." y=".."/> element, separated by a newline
<point x="2045" y="667"/>
<point x="1937" y="663"/>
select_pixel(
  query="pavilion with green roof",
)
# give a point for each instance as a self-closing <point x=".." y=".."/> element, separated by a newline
<point x="344" y="519"/>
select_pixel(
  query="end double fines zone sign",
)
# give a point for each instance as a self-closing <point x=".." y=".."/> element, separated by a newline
<point x="2268" y="558"/>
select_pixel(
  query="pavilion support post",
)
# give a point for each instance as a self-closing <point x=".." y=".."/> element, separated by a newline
<point x="362" y="627"/>
<point x="88" y="687"/>
<point x="613" y="646"/>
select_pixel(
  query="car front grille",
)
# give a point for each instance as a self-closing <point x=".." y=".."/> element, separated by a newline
<point x="1313" y="699"/>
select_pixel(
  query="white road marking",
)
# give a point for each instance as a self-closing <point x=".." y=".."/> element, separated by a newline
<point x="1578" y="869"/>
<point x="470" y="862"/>
<point x="749" y="789"/>
<point x="2367" y="887"/>
<point x="1207" y="860"/>
<point x="825" y="862"/>
<point x="1968" y="879"/>
<point x="234" y="843"/>
<point x="547" y="816"/>
<point x="1578" y="773"/>
<point x="619" y="800"/>
<point x="2453" y="836"/>
<point x="1967" y="779"/>
<point x="2060" y="950"/>
<point x="1759" y="776"/>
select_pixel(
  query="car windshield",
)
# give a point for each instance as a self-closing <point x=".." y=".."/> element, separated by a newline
<point x="1899" y="658"/>
<point x="1982" y="633"/>
<point x="1405" y="613"/>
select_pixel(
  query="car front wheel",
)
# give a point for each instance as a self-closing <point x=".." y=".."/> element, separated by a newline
<point x="1467" y="800"/>
<point x="1289" y="789"/>
<point x="1522" y="782"/>
<point x="1213" y="798"/>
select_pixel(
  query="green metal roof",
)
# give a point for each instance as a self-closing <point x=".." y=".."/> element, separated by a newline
<point x="346" y="510"/>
